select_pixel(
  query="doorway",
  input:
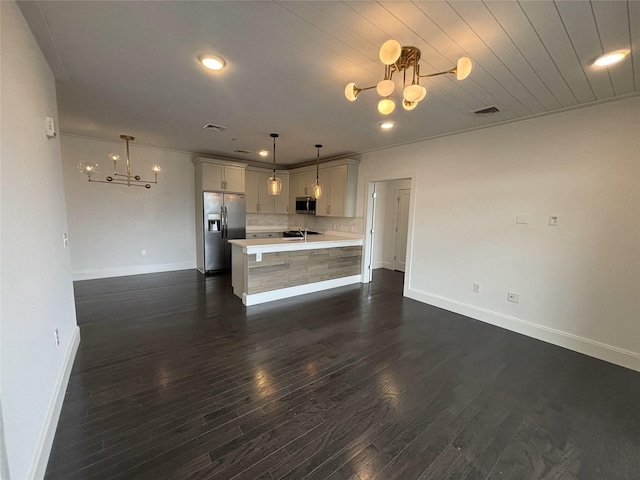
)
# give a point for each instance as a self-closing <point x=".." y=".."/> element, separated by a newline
<point x="388" y="236"/>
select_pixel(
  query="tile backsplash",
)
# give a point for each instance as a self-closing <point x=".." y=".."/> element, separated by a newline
<point x="312" y="222"/>
<point x="338" y="224"/>
<point x="266" y="219"/>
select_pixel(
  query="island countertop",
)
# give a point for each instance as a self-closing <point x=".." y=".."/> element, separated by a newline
<point x="313" y="242"/>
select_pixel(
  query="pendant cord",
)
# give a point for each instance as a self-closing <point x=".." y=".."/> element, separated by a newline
<point x="274" y="136"/>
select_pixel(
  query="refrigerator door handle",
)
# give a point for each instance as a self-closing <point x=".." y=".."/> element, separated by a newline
<point x="226" y="221"/>
<point x="222" y="222"/>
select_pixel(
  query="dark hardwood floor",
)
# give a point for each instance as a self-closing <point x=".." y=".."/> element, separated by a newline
<point x="175" y="379"/>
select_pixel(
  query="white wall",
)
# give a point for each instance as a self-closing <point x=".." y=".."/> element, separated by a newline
<point x="579" y="282"/>
<point x="36" y="289"/>
<point x="110" y="225"/>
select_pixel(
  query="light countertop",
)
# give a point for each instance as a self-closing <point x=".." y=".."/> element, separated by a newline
<point x="314" y="242"/>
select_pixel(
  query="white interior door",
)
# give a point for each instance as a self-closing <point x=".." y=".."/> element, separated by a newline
<point x="402" y="228"/>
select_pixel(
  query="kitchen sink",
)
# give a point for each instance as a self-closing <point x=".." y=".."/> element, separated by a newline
<point x="296" y="233"/>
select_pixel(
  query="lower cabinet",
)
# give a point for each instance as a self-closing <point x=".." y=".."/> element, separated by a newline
<point x="265" y="235"/>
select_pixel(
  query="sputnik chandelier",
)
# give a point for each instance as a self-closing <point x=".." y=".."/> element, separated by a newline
<point x="127" y="179"/>
<point x="404" y="60"/>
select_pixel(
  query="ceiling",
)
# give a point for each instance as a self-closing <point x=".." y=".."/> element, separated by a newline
<point x="130" y="67"/>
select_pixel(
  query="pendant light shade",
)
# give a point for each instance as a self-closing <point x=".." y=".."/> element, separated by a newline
<point x="351" y="92"/>
<point x="390" y="52"/>
<point x="316" y="188"/>
<point x="408" y="105"/>
<point x="385" y="87"/>
<point x="463" y="68"/>
<point x="414" y="93"/>
<point x="274" y="184"/>
<point x="386" y="106"/>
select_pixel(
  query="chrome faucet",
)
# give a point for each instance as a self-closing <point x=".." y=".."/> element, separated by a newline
<point x="303" y="233"/>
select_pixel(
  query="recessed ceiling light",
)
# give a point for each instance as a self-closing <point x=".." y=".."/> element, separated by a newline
<point x="611" y="58"/>
<point x="263" y="153"/>
<point x="387" y="125"/>
<point x="212" y="62"/>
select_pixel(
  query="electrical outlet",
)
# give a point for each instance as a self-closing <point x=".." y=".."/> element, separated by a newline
<point x="57" y="336"/>
<point x="522" y="218"/>
<point x="143" y="253"/>
<point x="513" y="297"/>
<point x="476" y="287"/>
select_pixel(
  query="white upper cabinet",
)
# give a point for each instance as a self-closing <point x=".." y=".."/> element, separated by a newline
<point x="251" y="191"/>
<point x="339" y="181"/>
<point x="257" y="194"/>
<point x="282" y="204"/>
<point x="218" y="175"/>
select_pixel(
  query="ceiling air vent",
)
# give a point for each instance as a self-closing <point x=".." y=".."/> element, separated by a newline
<point x="244" y="152"/>
<point x="215" y="128"/>
<point x="486" y="110"/>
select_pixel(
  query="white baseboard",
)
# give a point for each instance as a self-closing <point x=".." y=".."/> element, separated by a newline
<point x="608" y="353"/>
<point x="45" y="442"/>
<point x="257" y="298"/>
<point x="382" y="264"/>
<point x="136" y="270"/>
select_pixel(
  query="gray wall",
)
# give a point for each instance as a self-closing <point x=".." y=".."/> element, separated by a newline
<point x="36" y="292"/>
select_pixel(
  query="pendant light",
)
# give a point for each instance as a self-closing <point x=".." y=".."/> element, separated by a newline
<point x="316" y="188"/>
<point x="274" y="184"/>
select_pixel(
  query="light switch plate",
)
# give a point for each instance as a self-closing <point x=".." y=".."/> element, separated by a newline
<point x="258" y="257"/>
<point x="50" y="127"/>
<point x="553" y="220"/>
<point x="522" y="218"/>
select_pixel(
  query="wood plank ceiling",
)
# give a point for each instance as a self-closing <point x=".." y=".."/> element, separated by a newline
<point x="129" y="67"/>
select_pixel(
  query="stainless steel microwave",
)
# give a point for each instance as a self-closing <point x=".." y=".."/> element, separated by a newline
<point x="306" y="205"/>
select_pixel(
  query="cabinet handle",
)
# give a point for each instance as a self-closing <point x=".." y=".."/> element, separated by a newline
<point x="287" y="208"/>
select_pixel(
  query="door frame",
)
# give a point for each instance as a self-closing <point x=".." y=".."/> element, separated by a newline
<point x="369" y="209"/>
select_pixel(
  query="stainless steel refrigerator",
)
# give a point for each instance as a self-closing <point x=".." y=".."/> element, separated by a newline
<point x="224" y="219"/>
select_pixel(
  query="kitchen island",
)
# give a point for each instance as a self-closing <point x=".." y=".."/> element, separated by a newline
<point x="266" y="269"/>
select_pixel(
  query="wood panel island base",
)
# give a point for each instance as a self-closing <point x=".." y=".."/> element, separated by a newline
<point x="266" y="269"/>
